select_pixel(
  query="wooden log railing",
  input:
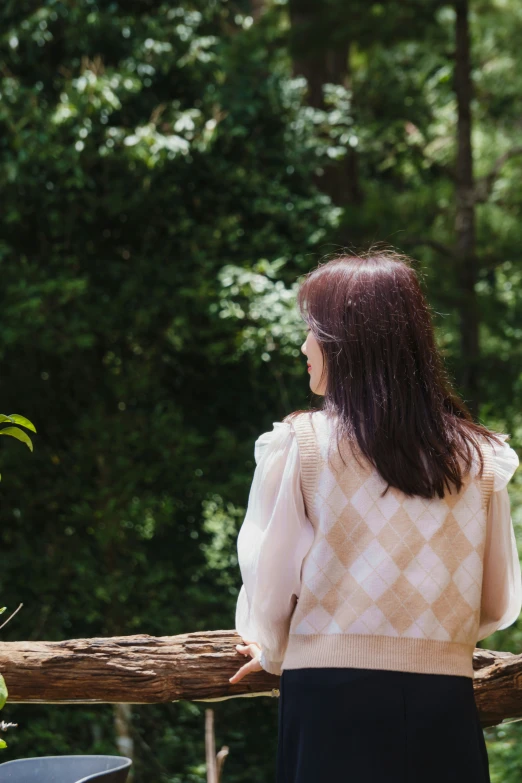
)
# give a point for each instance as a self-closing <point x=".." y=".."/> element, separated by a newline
<point x="194" y="667"/>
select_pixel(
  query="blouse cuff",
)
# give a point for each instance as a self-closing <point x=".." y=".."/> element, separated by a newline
<point x="505" y="463"/>
<point x="270" y="666"/>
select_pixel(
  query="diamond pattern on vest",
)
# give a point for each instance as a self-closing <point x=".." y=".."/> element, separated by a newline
<point x="392" y="565"/>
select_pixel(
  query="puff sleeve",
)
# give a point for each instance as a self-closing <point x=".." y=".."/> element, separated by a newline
<point x="501" y="601"/>
<point x="273" y="540"/>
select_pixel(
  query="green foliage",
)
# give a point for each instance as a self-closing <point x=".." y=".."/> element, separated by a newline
<point x="134" y="166"/>
<point x="161" y="182"/>
<point x="19" y="434"/>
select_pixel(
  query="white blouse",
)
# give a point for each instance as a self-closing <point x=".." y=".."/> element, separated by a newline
<point x="276" y="535"/>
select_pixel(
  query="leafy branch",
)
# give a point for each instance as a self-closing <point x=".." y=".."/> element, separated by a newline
<point x="19" y="434"/>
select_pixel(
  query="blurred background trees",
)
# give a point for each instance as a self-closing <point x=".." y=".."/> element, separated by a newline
<point x="167" y="172"/>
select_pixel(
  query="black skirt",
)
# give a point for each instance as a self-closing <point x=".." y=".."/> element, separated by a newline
<point x="373" y="726"/>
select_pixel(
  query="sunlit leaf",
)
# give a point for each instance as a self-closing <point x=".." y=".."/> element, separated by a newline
<point x="17" y="419"/>
<point x="19" y="434"/>
<point x="3" y="692"/>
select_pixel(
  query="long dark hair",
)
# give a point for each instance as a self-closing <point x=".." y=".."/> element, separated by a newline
<point x="386" y="382"/>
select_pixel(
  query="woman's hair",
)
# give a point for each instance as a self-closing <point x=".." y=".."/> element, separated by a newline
<point x="385" y="379"/>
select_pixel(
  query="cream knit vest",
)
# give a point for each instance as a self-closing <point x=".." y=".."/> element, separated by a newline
<point x="388" y="583"/>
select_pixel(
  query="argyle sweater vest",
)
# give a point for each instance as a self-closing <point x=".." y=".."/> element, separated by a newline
<point x="389" y="582"/>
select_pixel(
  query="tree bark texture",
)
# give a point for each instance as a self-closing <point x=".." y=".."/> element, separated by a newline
<point x="194" y="667"/>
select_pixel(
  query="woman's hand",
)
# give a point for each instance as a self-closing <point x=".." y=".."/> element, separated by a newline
<point x="249" y="648"/>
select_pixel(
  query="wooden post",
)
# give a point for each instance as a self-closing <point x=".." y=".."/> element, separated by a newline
<point x="210" y="746"/>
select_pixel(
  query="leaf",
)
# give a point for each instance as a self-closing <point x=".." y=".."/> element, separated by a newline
<point x="17" y="419"/>
<point x="3" y="743"/>
<point x="19" y="434"/>
<point x="3" y="692"/>
<point x="2" y="609"/>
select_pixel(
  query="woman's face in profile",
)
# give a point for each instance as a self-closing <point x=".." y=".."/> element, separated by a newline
<point x="314" y="355"/>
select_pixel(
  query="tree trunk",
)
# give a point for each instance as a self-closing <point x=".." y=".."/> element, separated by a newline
<point x="320" y="62"/>
<point x="123" y="732"/>
<point x="210" y="746"/>
<point x="257" y="9"/>
<point x="195" y="667"/>
<point x="467" y="264"/>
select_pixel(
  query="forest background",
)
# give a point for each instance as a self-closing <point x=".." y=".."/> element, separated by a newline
<point x="167" y="173"/>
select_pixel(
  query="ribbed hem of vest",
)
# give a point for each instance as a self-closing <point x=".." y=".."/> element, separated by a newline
<point x="397" y="653"/>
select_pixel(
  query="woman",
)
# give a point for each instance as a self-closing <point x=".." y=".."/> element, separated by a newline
<point x="370" y="570"/>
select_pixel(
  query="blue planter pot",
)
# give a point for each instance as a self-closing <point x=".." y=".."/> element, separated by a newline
<point x="66" y="769"/>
